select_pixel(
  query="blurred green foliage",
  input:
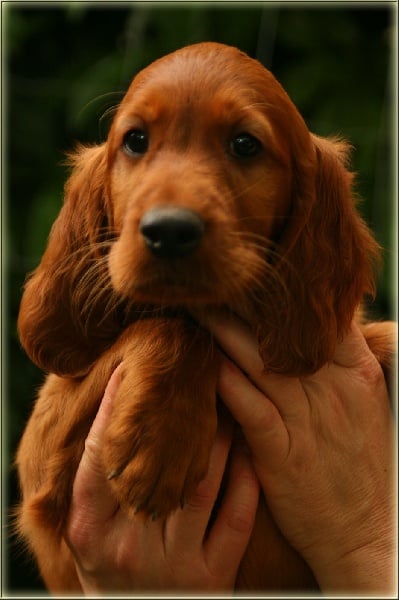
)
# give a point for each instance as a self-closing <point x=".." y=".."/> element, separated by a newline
<point x="67" y="64"/>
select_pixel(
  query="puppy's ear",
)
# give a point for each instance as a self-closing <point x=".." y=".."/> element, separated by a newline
<point x="325" y="265"/>
<point x="65" y="317"/>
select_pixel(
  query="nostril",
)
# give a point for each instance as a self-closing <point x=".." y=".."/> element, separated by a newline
<point x="171" y="232"/>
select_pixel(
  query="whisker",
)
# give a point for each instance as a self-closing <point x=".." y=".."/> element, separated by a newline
<point x="109" y="112"/>
<point x="102" y="97"/>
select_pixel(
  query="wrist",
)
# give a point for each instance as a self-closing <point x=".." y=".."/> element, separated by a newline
<point x="367" y="570"/>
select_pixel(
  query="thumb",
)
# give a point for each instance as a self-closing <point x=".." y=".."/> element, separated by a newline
<point x="92" y="498"/>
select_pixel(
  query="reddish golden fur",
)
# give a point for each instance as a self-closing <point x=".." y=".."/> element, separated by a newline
<point x="284" y="248"/>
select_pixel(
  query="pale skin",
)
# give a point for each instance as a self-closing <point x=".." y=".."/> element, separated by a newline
<point x="321" y="449"/>
<point x="117" y="554"/>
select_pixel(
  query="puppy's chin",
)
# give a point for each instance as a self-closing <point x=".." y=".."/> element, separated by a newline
<point x="181" y="282"/>
<point x="169" y="294"/>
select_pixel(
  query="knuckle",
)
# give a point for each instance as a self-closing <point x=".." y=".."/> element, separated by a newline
<point x="241" y="517"/>
<point x="204" y="495"/>
<point x="126" y="560"/>
<point x="79" y="539"/>
<point x="92" y="448"/>
<point x="371" y="373"/>
<point x="264" y="420"/>
<point x="240" y="520"/>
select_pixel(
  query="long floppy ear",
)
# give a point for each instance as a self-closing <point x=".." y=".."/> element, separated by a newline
<point x="326" y="266"/>
<point x="65" y="317"/>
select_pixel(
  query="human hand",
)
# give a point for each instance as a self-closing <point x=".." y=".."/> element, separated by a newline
<point x="114" y="553"/>
<point x="322" y="448"/>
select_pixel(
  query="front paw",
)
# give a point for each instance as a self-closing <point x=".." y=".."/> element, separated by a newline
<point x="155" y="461"/>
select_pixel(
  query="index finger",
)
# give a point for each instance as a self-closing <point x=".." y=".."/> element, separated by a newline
<point x="240" y="344"/>
<point x="229" y="331"/>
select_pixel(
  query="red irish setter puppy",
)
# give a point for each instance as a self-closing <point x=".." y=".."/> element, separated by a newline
<point x="210" y="192"/>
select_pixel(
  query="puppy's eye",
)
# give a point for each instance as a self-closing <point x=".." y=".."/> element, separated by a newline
<point x="245" y="145"/>
<point x="136" y="142"/>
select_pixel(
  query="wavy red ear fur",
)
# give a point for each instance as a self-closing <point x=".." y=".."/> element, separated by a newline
<point x="326" y="265"/>
<point x="68" y="296"/>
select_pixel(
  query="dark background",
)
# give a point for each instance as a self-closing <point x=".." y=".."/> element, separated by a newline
<point x="65" y="65"/>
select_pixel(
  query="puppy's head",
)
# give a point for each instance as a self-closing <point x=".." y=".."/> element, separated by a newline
<point x="209" y="191"/>
<point x="200" y="177"/>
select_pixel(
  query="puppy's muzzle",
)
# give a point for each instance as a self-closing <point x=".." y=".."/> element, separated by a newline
<point x="171" y="232"/>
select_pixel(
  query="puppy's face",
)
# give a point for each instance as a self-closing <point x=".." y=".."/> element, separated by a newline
<point x="210" y="191"/>
<point x="201" y="171"/>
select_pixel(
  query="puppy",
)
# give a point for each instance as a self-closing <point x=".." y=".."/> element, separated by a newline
<point x="209" y="193"/>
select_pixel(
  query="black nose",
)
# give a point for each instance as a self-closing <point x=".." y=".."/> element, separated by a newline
<point x="171" y="232"/>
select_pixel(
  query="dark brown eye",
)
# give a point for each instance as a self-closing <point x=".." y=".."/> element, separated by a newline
<point x="135" y="142"/>
<point x="245" y="145"/>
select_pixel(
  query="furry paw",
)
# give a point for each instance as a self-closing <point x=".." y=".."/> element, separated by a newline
<point x="157" y="460"/>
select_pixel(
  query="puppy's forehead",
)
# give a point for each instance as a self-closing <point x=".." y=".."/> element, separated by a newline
<point x="204" y="75"/>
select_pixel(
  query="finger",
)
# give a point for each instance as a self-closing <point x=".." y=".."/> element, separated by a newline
<point x="238" y="342"/>
<point x="261" y="422"/>
<point x="185" y="530"/>
<point x="92" y="501"/>
<point x="230" y="534"/>
<point x="352" y="350"/>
